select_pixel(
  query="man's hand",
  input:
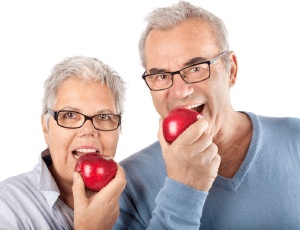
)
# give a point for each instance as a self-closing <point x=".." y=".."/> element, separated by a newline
<point x="192" y="158"/>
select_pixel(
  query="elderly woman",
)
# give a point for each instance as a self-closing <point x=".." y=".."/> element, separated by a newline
<point x="52" y="195"/>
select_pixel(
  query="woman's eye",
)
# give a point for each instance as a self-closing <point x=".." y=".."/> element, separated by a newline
<point x="70" y="115"/>
<point x="103" y="117"/>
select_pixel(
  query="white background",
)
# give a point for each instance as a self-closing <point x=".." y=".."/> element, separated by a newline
<point x="35" y="35"/>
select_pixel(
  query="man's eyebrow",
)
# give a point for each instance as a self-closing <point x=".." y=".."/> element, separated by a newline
<point x="156" y="71"/>
<point x="191" y="61"/>
<point x="194" y="60"/>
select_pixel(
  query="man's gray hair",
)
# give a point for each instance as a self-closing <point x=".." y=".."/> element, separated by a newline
<point x="166" y="18"/>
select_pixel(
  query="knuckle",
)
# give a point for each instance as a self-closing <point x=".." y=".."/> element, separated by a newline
<point x="215" y="147"/>
<point x="207" y="138"/>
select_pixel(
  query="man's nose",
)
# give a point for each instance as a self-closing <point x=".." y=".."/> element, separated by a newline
<point x="180" y="89"/>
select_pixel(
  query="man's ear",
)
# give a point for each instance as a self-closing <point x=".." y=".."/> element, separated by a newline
<point x="45" y="128"/>
<point x="233" y="69"/>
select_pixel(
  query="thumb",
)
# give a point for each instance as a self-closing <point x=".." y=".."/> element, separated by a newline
<point x="78" y="189"/>
<point x="163" y="143"/>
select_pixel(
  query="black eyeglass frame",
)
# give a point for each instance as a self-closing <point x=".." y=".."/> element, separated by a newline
<point x="54" y="114"/>
<point x="210" y="62"/>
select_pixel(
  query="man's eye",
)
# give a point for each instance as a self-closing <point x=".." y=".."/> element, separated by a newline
<point x="195" y="69"/>
<point x="158" y="77"/>
<point x="162" y="77"/>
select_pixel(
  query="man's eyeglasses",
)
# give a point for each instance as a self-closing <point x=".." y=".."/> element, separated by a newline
<point x="74" y="120"/>
<point x="190" y="74"/>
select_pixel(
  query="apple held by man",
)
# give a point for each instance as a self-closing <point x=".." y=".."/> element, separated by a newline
<point x="178" y="120"/>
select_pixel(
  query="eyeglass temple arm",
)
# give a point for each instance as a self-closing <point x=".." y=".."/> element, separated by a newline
<point x="216" y="58"/>
<point x="52" y="113"/>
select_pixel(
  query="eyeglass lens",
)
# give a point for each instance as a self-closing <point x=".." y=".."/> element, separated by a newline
<point x="71" y="119"/>
<point x="189" y="74"/>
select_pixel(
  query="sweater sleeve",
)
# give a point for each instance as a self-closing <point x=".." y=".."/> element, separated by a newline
<point x="178" y="206"/>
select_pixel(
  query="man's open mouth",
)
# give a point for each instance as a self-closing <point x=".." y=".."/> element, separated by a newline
<point x="197" y="108"/>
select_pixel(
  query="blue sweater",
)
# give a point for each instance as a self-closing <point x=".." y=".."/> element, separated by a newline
<point x="263" y="194"/>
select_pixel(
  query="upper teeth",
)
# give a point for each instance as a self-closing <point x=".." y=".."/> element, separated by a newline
<point x="86" y="150"/>
<point x="193" y="106"/>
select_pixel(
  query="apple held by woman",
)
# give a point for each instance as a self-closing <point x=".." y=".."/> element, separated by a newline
<point x="96" y="170"/>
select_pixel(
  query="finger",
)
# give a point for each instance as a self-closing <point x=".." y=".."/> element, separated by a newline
<point x="117" y="184"/>
<point x="193" y="132"/>
<point x="115" y="187"/>
<point x="163" y="143"/>
<point x="217" y="160"/>
<point x="78" y="189"/>
<point x="211" y="153"/>
<point x="201" y="144"/>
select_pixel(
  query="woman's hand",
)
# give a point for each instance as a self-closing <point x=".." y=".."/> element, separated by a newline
<point x="101" y="209"/>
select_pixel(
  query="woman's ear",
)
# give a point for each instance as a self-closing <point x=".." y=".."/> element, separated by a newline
<point x="45" y="128"/>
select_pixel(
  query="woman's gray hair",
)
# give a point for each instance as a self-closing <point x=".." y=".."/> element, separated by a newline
<point x="85" y="68"/>
<point x="165" y="18"/>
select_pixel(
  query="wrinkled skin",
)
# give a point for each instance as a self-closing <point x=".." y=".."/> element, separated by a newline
<point x="194" y="158"/>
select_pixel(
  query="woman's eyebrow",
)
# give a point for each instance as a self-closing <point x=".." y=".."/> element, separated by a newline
<point x="70" y="108"/>
<point x="105" y="111"/>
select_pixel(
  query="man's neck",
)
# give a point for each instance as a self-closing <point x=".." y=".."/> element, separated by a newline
<point x="233" y="141"/>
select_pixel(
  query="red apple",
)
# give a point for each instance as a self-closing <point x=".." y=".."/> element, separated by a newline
<point x="177" y="121"/>
<point x="96" y="171"/>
